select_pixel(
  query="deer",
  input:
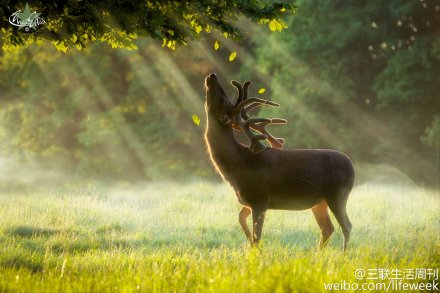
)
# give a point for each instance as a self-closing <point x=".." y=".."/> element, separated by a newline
<point x="270" y="177"/>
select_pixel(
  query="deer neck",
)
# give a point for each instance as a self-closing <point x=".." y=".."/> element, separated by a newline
<point x="224" y="150"/>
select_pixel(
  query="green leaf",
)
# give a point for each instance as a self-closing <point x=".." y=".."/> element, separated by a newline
<point x="232" y="56"/>
<point x="262" y="90"/>
<point x="196" y="119"/>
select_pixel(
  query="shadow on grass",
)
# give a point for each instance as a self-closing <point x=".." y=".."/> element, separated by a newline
<point x="121" y="239"/>
<point x="115" y="236"/>
<point x="29" y="231"/>
<point x="207" y="238"/>
<point x="22" y="261"/>
<point x="112" y="228"/>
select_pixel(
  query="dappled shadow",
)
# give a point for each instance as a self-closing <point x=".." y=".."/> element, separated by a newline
<point x="110" y="237"/>
<point x="112" y="228"/>
<point x="29" y="231"/>
<point x="115" y="237"/>
<point x="32" y="264"/>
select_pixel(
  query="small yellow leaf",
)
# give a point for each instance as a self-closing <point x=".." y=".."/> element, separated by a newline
<point x="61" y="46"/>
<point x="277" y="25"/>
<point x="171" y="44"/>
<point x="132" y="46"/>
<point x="164" y="42"/>
<point x="272" y="25"/>
<point x="196" y="119"/>
<point x="216" y="45"/>
<point x="283" y="9"/>
<point x="232" y="56"/>
<point x="141" y="109"/>
<point x="262" y="90"/>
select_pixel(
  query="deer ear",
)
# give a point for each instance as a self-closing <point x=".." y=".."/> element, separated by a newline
<point x="224" y="119"/>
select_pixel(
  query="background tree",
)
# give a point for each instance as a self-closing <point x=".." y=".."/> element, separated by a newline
<point x="361" y="78"/>
<point x="105" y="113"/>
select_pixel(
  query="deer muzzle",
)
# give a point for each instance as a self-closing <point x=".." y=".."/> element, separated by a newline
<point x="210" y="80"/>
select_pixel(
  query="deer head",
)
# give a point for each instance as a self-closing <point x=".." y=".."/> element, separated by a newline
<point x="236" y="116"/>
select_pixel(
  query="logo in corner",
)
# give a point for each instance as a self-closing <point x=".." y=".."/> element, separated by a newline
<point x="26" y="19"/>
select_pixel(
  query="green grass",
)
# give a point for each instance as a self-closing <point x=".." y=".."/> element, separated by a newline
<point x="169" y="237"/>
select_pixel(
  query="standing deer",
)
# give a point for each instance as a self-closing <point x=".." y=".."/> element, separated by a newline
<point x="272" y="178"/>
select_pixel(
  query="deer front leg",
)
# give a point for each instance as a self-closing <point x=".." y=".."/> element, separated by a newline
<point x="242" y="216"/>
<point x="258" y="221"/>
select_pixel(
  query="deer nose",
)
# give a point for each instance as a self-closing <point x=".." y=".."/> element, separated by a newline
<point x="212" y="75"/>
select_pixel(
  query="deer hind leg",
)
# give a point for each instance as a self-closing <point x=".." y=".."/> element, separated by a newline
<point x="320" y="211"/>
<point x="242" y="216"/>
<point x="340" y="212"/>
<point x="257" y="221"/>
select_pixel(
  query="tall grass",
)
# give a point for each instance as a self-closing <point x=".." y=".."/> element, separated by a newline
<point x="168" y="237"/>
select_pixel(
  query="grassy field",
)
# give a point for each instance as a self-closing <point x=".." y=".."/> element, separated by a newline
<point x="169" y="237"/>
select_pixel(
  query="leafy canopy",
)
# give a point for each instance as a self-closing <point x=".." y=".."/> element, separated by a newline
<point x="77" y="23"/>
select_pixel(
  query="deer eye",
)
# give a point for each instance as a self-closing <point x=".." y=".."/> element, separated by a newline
<point x="224" y="119"/>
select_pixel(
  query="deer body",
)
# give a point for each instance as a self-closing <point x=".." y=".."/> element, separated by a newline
<point x="276" y="178"/>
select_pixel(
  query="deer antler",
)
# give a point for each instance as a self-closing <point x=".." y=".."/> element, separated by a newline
<point x="275" y="142"/>
<point x="243" y="122"/>
<point x="242" y="91"/>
